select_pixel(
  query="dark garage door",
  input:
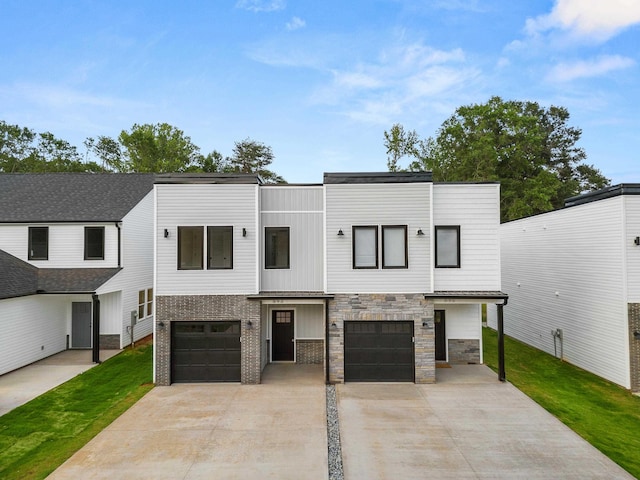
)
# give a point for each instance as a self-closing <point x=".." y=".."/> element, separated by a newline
<point x="205" y="352"/>
<point x="378" y="352"/>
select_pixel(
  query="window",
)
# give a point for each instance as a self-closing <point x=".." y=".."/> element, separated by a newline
<point x="394" y="246"/>
<point x="448" y="246"/>
<point x="38" y="243"/>
<point x="145" y="303"/>
<point x="94" y="243"/>
<point x="219" y="247"/>
<point x="365" y="247"/>
<point x="190" y="248"/>
<point x="276" y="241"/>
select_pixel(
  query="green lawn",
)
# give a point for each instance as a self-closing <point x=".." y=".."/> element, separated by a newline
<point x="606" y="415"/>
<point x="37" y="437"/>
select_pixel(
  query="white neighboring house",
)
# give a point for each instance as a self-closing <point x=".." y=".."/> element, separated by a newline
<point x="76" y="251"/>
<point x="573" y="280"/>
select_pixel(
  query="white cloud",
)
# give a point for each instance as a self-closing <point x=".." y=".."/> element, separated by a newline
<point x="593" y="19"/>
<point x="565" y="72"/>
<point x="296" y="23"/>
<point x="261" y="5"/>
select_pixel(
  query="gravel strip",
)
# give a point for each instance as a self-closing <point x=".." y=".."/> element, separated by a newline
<point x="333" y="436"/>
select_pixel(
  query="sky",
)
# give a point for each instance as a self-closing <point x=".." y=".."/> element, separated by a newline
<point x="319" y="81"/>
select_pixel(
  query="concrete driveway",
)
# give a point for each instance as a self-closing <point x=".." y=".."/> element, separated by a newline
<point x="468" y="425"/>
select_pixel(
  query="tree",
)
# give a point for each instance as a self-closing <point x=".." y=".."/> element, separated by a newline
<point x="400" y="144"/>
<point x="530" y="150"/>
<point x="250" y="156"/>
<point x="22" y="150"/>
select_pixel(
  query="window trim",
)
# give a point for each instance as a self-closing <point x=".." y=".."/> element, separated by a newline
<point x="456" y="228"/>
<point x="353" y="246"/>
<point x="266" y="255"/>
<point x="406" y="247"/>
<point x="30" y="254"/>
<point x="201" y="266"/>
<point x="86" y="243"/>
<point x="209" y="228"/>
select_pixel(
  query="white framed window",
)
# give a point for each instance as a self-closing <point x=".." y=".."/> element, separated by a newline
<point x="447" y="246"/>
<point x="145" y="303"/>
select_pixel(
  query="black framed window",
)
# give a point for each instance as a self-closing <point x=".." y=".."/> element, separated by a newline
<point x="219" y="248"/>
<point x="94" y="243"/>
<point x="394" y="246"/>
<point x="365" y="246"/>
<point x="190" y="248"/>
<point x="38" y="243"/>
<point x="276" y="244"/>
<point x="448" y="246"/>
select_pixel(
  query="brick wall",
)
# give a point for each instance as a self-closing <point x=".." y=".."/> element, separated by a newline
<point x="464" y="351"/>
<point x="383" y="307"/>
<point x="309" y="351"/>
<point x="110" y="342"/>
<point x="208" y="308"/>
<point x="634" y="345"/>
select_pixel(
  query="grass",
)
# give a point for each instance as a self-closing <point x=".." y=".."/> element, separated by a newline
<point x="604" y="414"/>
<point x="38" y="436"/>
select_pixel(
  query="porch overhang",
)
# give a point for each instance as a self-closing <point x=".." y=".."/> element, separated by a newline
<point x="450" y="296"/>
<point x="289" y="297"/>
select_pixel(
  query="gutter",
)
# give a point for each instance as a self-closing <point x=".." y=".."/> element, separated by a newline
<point x="119" y="227"/>
<point x="96" y="328"/>
<point x="326" y="341"/>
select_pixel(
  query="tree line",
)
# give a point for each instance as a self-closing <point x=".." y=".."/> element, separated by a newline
<point x="156" y="148"/>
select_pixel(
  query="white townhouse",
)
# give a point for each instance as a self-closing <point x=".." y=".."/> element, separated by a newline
<point x="573" y="279"/>
<point x="76" y="263"/>
<point x="375" y="276"/>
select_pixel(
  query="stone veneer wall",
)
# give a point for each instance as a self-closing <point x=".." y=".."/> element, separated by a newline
<point x="634" y="345"/>
<point x="383" y="307"/>
<point x="190" y="308"/>
<point x="110" y="342"/>
<point x="464" y="351"/>
<point x="310" y="351"/>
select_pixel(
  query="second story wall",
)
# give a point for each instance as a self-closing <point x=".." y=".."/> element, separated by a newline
<point x="207" y="205"/>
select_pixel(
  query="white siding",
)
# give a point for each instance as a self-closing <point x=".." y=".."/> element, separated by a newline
<point x="111" y="313"/>
<point x="66" y="245"/>
<point x="476" y="209"/>
<point x="378" y="204"/>
<point x="207" y="205"/>
<point x="33" y="328"/>
<point x="308" y="319"/>
<point x="565" y="269"/>
<point x="632" y="251"/>
<point x="462" y="322"/>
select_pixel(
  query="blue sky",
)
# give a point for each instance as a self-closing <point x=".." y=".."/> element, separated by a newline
<point x="319" y="81"/>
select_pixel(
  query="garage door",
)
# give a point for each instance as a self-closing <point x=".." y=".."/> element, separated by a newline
<point x="205" y="352"/>
<point x="378" y="352"/>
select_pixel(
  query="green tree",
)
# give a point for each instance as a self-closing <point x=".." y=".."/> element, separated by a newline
<point x="400" y="144"/>
<point x="250" y="156"/>
<point x="530" y="150"/>
<point x="22" y="150"/>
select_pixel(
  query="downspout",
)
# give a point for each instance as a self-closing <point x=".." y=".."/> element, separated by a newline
<point x="326" y="340"/>
<point x="96" y="328"/>
<point x="118" y="226"/>
<point x="501" y="371"/>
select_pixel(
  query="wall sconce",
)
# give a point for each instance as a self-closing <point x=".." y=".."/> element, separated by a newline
<point x="249" y="324"/>
<point x="340" y="233"/>
<point x="333" y="325"/>
<point x="425" y="324"/>
<point x="166" y="233"/>
<point x="244" y="232"/>
<point x="161" y="325"/>
<point x="636" y="240"/>
<point x="420" y="233"/>
<point x="636" y="335"/>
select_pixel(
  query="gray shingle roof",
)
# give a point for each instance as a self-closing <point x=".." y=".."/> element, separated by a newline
<point x="70" y="197"/>
<point x="18" y="278"/>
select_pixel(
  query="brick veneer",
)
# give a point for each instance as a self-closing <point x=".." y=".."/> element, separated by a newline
<point x="175" y="308"/>
<point x="383" y="307"/>
<point x="309" y="351"/>
<point x="110" y="342"/>
<point x="464" y="351"/>
<point x="634" y="345"/>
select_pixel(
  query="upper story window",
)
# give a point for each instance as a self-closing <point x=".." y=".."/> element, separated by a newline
<point x="190" y="248"/>
<point x="276" y="243"/>
<point x="448" y="246"/>
<point x="94" y="243"/>
<point x="38" y="243"/>
<point x="219" y="247"/>
<point x="394" y="246"/>
<point x="365" y="247"/>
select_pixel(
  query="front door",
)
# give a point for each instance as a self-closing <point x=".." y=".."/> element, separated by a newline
<point x="81" y="325"/>
<point x="441" y="337"/>
<point x="282" y="336"/>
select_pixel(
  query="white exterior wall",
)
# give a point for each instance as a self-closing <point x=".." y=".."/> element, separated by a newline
<point x="632" y="251"/>
<point x="378" y="204"/>
<point x="565" y="269"/>
<point x="462" y="322"/>
<point x="33" y="328"/>
<point x="476" y="209"/>
<point x="207" y="205"/>
<point x="66" y="244"/>
<point x="300" y="209"/>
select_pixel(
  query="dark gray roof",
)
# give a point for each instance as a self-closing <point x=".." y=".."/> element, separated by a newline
<point x="471" y="294"/>
<point x="289" y="295"/>
<point x="377" y="177"/>
<point x="238" y="178"/>
<point x="608" y="192"/>
<point x="70" y="197"/>
<point x="73" y="280"/>
<point x="18" y="278"/>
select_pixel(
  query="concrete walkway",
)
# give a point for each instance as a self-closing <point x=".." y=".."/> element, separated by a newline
<point x="26" y="383"/>
<point x="467" y="426"/>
